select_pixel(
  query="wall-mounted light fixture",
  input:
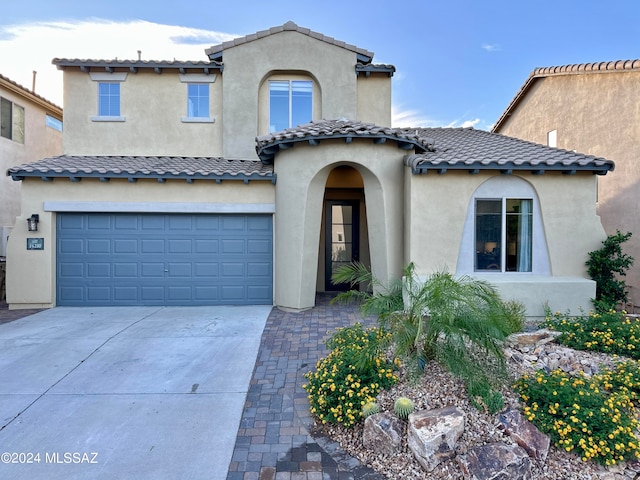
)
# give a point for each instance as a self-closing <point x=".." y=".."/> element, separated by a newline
<point x="32" y="222"/>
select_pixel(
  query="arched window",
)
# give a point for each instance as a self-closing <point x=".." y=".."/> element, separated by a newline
<point x="287" y="100"/>
<point x="503" y="230"/>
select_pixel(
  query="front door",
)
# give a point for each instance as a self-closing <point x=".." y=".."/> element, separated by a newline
<point x="341" y="238"/>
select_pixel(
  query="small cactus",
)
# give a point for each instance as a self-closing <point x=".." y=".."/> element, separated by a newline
<point x="403" y="407"/>
<point x="370" y="408"/>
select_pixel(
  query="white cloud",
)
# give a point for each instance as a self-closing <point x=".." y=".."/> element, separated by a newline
<point x="401" y="118"/>
<point x="31" y="46"/>
<point x="491" y="47"/>
<point x="465" y="123"/>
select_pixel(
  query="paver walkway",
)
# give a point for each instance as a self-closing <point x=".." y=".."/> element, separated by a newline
<point x="275" y="440"/>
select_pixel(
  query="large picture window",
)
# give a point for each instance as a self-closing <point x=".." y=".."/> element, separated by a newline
<point x="503" y="234"/>
<point x="290" y="103"/>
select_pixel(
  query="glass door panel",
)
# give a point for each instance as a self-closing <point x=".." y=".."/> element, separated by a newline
<point x="341" y="235"/>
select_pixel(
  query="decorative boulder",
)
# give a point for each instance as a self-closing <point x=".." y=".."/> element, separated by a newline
<point x="432" y="435"/>
<point x="383" y="433"/>
<point x="495" y="461"/>
<point x="525" y="434"/>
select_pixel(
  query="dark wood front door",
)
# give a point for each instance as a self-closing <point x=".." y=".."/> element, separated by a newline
<point x="341" y="238"/>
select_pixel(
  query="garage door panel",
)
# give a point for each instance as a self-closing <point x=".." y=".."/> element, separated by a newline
<point x="164" y="259"/>
<point x="99" y="270"/>
<point x="152" y="246"/>
<point x="179" y="246"/>
<point x="122" y="245"/>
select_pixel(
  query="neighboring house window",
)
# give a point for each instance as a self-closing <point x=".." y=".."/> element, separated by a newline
<point x="552" y="138"/>
<point x="290" y="103"/>
<point x="53" y="123"/>
<point x="504" y="234"/>
<point x="11" y="120"/>
<point x="198" y="100"/>
<point x="108" y="99"/>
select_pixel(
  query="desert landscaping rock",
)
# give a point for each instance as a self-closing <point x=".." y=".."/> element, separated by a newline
<point x="495" y="461"/>
<point x="433" y="434"/>
<point x="525" y="434"/>
<point x="383" y="433"/>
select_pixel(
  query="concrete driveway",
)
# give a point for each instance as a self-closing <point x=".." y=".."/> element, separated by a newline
<point x="125" y="392"/>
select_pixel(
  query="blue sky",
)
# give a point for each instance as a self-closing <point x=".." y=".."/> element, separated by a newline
<point x="459" y="62"/>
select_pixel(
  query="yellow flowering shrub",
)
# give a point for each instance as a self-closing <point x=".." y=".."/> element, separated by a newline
<point x="593" y="417"/>
<point x="611" y="332"/>
<point x="351" y="375"/>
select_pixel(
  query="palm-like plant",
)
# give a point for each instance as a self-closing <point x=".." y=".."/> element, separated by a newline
<point x="459" y="321"/>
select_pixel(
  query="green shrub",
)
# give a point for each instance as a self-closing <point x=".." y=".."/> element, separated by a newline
<point x="484" y="398"/>
<point x="591" y="417"/>
<point x="459" y="321"/>
<point x="611" y="332"/>
<point x="351" y="375"/>
<point x="603" y="266"/>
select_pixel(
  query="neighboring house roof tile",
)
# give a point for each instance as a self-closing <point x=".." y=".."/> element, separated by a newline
<point x="268" y="145"/>
<point x="138" y="167"/>
<point x="215" y="52"/>
<point x="474" y="150"/>
<point x="572" y="69"/>
<point x="25" y="92"/>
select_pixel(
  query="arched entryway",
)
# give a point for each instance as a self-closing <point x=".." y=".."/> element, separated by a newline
<point x="344" y="232"/>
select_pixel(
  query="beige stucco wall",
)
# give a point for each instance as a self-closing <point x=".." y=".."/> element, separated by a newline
<point x="152" y="105"/>
<point x="31" y="273"/>
<point x="40" y="141"/>
<point x="302" y="174"/>
<point x="437" y="206"/>
<point x="249" y="65"/>
<point x="597" y="114"/>
<point x="374" y="99"/>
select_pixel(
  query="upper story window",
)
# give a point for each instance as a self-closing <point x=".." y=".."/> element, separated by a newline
<point x="198" y="97"/>
<point x="198" y="100"/>
<point x="109" y="99"/>
<point x="552" y="138"/>
<point x="11" y="120"/>
<point x="108" y="96"/>
<point x="504" y="234"/>
<point x="290" y="103"/>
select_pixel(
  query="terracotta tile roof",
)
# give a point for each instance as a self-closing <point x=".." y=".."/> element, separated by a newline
<point x="138" y="167"/>
<point x="19" y="89"/>
<point x="215" y="52"/>
<point x="268" y="145"/>
<point x="133" y="65"/>
<point x="474" y="150"/>
<point x="572" y="69"/>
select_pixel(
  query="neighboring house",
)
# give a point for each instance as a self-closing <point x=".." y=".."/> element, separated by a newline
<point x="30" y="129"/>
<point x="186" y="183"/>
<point x="591" y="108"/>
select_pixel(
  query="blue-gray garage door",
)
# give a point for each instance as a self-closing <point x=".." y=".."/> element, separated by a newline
<point x="164" y="259"/>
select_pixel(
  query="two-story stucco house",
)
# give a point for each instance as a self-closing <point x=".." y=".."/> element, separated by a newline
<point x="590" y="108"/>
<point x="249" y="177"/>
<point x="30" y="129"/>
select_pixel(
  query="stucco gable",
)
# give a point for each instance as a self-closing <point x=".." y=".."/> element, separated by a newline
<point x="138" y="167"/>
<point x="474" y="150"/>
<point x="215" y="52"/>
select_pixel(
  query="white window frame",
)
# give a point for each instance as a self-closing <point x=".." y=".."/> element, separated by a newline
<point x="272" y="128"/>
<point x="115" y="77"/>
<point x="192" y="79"/>
<point x="508" y="187"/>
